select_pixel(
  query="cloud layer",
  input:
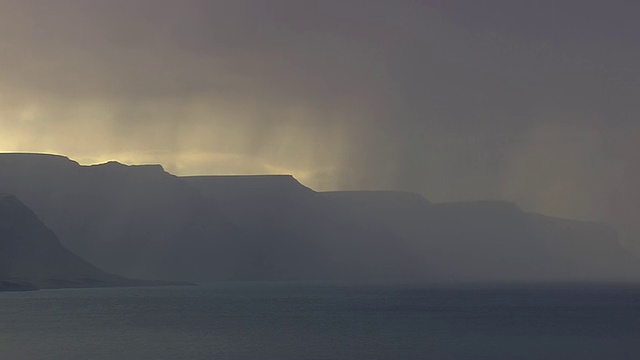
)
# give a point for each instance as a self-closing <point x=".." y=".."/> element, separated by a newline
<point x="535" y="103"/>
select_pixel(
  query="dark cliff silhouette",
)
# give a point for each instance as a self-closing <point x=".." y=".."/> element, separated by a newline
<point x="31" y="256"/>
<point x="140" y="221"/>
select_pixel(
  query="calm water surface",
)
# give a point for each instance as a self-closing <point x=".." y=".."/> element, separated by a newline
<point x="318" y="321"/>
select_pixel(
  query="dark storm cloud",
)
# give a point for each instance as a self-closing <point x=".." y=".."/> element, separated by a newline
<point x="532" y="101"/>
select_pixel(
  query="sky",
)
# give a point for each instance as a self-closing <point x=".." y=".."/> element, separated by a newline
<point x="535" y="102"/>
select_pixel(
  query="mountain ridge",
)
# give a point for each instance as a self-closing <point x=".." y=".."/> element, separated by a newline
<point x="31" y="256"/>
<point x="141" y="221"/>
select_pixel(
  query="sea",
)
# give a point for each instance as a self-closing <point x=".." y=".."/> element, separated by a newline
<point x="282" y="320"/>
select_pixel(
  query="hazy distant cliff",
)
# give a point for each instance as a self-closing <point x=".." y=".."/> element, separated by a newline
<point x="137" y="221"/>
<point x="141" y="221"/>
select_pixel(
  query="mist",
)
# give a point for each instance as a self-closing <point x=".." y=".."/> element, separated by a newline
<point x="534" y="103"/>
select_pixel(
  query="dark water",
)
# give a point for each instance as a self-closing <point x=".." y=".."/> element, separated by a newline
<point x="312" y="321"/>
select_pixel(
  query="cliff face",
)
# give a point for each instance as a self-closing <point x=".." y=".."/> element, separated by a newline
<point x="141" y="221"/>
<point x="398" y="236"/>
<point x="30" y="253"/>
<point x="137" y="221"/>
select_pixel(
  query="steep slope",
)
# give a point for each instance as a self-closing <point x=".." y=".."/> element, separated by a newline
<point x="136" y="221"/>
<point x="497" y="240"/>
<point x="276" y="216"/>
<point x="31" y="254"/>
<point x="491" y="240"/>
<point x="140" y="221"/>
<point x="296" y="234"/>
<point x="397" y="236"/>
<point x="258" y="199"/>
